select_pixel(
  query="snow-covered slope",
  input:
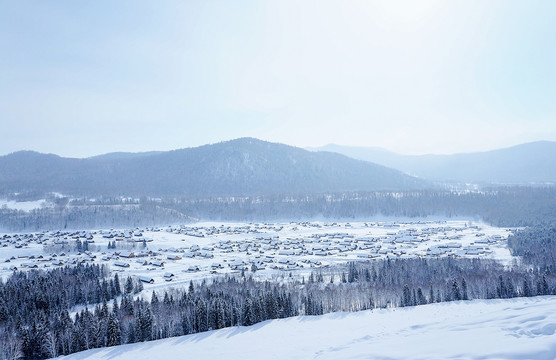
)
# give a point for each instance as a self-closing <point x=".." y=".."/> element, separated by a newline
<point x="521" y="328"/>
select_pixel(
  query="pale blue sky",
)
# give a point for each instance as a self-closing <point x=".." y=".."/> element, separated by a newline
<point x="80" y="78"/>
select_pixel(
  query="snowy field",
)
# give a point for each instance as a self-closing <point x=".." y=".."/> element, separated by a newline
<point x="23" y="205"/>
<point x="275" y="250"/>
<point x="520" y="328"/>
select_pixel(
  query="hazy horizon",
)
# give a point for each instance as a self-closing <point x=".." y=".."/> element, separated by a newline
<point x="310" y="148"/>
<point x="83" y="79"/>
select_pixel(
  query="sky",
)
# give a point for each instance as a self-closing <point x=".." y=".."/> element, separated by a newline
<point x="81" y="78"/>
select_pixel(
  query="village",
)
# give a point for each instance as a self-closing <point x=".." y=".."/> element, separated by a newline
<point x="167" y="256"/>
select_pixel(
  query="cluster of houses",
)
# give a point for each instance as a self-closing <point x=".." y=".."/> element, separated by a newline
<point x="161" y="252"/>
<point x="45" y="261"/>
<point x="58" y="237"/>
<point x="201" y="231"/>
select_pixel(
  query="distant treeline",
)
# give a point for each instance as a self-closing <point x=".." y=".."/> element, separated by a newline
<point x="91" y="216"/>
<point x="35" y="323"/>
<point x="512" y="207"/>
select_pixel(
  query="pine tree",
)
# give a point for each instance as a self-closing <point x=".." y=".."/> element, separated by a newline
<point x="130" y="333"/>
<point x="166" y="300"/>
<point x="510" y="289"/>
<point x="420" y="297"/>
<point x="92" y="331"/>
<point x="539" y="288"/>
<point x="138" y="287"/>
<point x="235" y="315"/>
<point x="464" y="295"/>
<point x="115" y="308"/>
<point x="75" y="341"/>
<point x="113" y="332"/>
<point x="201" y="315"/>
<point x="456" y="295"/>
<point x="3" y="310"/>
<point x="104" y="310"/>
<point x="353" y="275"/>
<point x="308" y="305"/>
<point x="117" y="285"/>
<point x="126" y="306"/>
<point x="138" y="315"/>
<point x="128" y="285"/>
<point x="406" y="296"/>
<point x="502" y="290"/>
<point x="154" y="299"/>
<point x="146" y="324"/>
<point x="247" y="313"/>
<point x="271" y="306"/>
<point x="526" y="288"/>
<point x="26" y="343"/>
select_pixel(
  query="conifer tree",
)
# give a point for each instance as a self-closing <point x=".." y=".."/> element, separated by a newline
<point x="526" y="288"/>
<point x="117" y="285"/>
<point x="464" y="295"/>
<point x="113" y="331"/>
<point x="128" y="285"/>
<point x="456" y="295"/>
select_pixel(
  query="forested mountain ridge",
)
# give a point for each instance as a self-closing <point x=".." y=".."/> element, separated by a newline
<point x="239" y="167"/>
<point x="528" y="163"/>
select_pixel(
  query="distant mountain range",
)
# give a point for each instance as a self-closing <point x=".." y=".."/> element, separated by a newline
<point x="242" y="167"/>
<point x="531" y="163"/>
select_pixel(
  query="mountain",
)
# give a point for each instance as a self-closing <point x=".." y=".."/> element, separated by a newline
<point x="123" y="155"/>
<point x="522" y="164"/>
<point x="244" y="166"/>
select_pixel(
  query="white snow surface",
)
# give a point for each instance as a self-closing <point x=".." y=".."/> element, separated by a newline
<point x="23" y="205"/>
<point x="521" y="328"/>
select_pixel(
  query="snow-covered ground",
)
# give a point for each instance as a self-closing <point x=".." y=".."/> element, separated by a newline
<point x="519" y="328"/>
<point x="23" y="205"/>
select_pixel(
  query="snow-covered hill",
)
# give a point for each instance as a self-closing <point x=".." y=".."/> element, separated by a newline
<point x="522" y="328"/>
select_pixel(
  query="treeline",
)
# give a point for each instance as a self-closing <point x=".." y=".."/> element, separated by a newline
<point x="512" y="207"/>
<point x="79" y="246"/>
<point x="407" y="282"/>
<point x="90" y="217"/>
<point x="536" y="246"/>
<point x="44" y="327"/>
<point x="34" y="307"/>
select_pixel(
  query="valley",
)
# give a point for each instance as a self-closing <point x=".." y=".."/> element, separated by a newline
<point x="174" y="255"/>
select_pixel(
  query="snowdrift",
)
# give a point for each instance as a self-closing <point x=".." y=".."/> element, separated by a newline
<point x="522" y="328"/>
